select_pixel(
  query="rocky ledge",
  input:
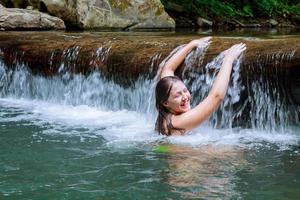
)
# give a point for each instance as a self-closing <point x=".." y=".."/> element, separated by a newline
<point x="270" y="67"/>
<point x="127" y="56"/>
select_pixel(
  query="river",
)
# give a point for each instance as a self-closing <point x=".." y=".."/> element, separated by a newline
<point x="75" y="136"/>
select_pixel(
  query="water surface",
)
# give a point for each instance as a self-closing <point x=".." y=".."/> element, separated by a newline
<point x="74" y="136"/>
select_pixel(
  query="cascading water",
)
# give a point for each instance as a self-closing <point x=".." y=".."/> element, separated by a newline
<point x="72" y="89"/>
<point x="78" y="100"/>
<point x="271" y="106"/>
<point x="201" y="81"/>
<point x="93" y="101"/>
<point x="265" y="107"/>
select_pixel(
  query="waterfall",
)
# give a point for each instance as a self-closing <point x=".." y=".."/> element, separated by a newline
<point x="257" y="104"/>
<point x="202" y="81"/>
<point x="271" y="107"/>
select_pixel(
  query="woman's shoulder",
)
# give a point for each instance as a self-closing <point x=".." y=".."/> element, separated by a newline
<point x="174" y="129"/>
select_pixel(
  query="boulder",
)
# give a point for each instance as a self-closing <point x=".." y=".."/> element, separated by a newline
<point x="204" y="22"/>
<point x="15" y="18"/>
<point x="85" y="14"/>
<point x="273" y="22"/>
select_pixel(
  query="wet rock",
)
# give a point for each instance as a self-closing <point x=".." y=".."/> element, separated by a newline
<point x="15" y="18"/>
<point x="294" y="85"/>
<point x="130" y="56"/>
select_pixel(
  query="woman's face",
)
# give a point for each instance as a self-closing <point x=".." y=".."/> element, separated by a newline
<point x="179" y="99"/>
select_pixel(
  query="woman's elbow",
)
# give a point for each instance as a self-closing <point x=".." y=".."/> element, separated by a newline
<point x="218" y="97"/>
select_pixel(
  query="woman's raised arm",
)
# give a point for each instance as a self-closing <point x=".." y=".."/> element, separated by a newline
<point x="204" y="109"/>
<point x="173" y="63"/>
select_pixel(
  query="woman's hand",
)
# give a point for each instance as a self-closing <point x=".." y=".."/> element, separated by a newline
<point x="201" y="42"/>
<point x="172" y="64"/>
<point x="235" y="51"/>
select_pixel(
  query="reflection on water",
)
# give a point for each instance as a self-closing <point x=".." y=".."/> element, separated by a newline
<point x="205" y="172"/>
<point x="247" y="32"/>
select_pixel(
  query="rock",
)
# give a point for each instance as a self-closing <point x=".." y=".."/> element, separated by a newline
<point x="16" y="3"/>
<point x="252" y="25"/>
<point x="204" y="22"/>
<point x="29" y="7"/>
<point x="273" y="22"/>
<point x="286" y="25"/>
<point x="15" y="18"/>
<point x="183" y="18"/>
<point x="133" y="54"/>
<point x="85" y="14"/>
<point x="238" y="23"/>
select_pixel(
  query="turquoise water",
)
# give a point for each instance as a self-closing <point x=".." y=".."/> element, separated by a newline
<point x="82" y="137"/>
<point x="40" y="162"/>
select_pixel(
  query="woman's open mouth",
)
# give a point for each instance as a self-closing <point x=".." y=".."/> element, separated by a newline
<point x="185" y="105"/>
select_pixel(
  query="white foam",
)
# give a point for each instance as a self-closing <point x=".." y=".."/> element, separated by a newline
<point x="112" y="125"/>
<point x="244" y="138"/>
<point x="127" y="127"/>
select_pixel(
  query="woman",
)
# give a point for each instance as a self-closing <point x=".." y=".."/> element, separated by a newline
<point x="175" y="116"/>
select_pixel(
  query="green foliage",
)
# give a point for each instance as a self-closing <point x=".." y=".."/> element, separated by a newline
<point x="239" y="9"/>
<point x="247" y="11"/>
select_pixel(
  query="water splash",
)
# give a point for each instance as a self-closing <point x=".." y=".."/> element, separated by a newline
<point x="73" y="89"/>
<point x="263" y="104"/>
<point x="192" y="62"/>
<point x="201" y="81"/>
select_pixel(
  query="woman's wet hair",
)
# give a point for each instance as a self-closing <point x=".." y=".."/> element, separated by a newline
<point x="162" y="93"/>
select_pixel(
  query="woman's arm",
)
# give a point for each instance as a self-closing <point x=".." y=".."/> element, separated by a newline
<point x="173" y="63"/>
<point x="204" y="109"/>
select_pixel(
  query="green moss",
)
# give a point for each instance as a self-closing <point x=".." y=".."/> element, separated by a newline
<point x="159" y="10"/>
<point x="121" y="5"/>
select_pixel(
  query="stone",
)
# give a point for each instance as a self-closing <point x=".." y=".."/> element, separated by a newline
<point x="15" y="18"/>
<point x="273" y="22"/>
<point x="133" y="54"/>
<point x="87" y="14"/>
<point x="252" y="25"/>
<point x="238" y="23"/>
<point x="29" y="7"/>
<point x="286" y="25"/>
<point x="204" y="22"/>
